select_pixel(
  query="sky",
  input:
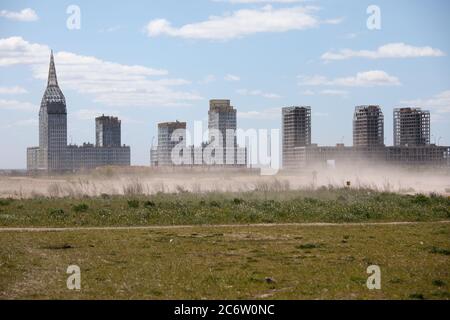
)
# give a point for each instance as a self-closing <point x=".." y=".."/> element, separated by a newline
<point x="155" y="61"/>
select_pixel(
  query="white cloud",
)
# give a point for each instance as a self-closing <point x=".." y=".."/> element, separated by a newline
<point x="232" y="77"/>
<point x="17" y="105"/>
<point x="23" y="15"/>
<point x="259" y="93"/>
<point x="307" y="93"/>
<point x="266" y="114"/>
<point x="110" y="83"/>
<point x="12" y="90"/>
<point x="391" y="50"/>
<point x="241" y="23"/>
<point x="439" y="103"/>
<point x="22" y="123"/>
<point x="361" y="79"/>
<point x="208" y="79"/>
<point x="334" y="92"/>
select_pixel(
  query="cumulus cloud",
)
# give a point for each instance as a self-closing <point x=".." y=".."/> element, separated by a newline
<point x="232" y="77"/>
<point x="391" y="50"/>
<point x="259" y="93"/>
<point x="17" y="105"/>
<point x="110" y="83"/>
<point x="266" y="114"/>
<point x="241" y="23"/>
<point x="25" y="15"/>
<point x="12" y="90"/>
<point x="439" y="103"/>
<point x="361" y="79"/>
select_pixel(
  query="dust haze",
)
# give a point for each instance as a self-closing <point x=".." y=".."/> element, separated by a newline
<point x="147" y="181"/>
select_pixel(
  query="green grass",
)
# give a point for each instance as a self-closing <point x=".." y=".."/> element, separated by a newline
<point x="229" y="262"/>
<point x="323" y="205"/>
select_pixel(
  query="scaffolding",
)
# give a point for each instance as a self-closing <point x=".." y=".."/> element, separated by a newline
<point x="411" y="127"/>
<point x="296" y="123"/>
<point x="368" y="126"/>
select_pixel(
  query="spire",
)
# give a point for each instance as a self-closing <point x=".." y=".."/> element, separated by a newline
<point x="52" y="80"/>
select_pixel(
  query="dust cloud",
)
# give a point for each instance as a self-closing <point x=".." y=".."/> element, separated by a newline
<point x="135" y="180"/>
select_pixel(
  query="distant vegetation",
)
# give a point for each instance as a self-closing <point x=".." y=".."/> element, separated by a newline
<point x="265" y="205"/>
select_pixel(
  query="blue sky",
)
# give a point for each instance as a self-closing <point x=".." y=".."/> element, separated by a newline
<point x="153" y="61"/>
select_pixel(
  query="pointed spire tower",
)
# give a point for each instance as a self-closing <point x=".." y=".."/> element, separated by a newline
<point x="53" y="99"/>
<point x="52" y="79"/>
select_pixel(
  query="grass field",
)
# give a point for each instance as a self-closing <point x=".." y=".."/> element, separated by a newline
<point x="209" y="247"/>
<point x="309" y="262"/>
<point x="271" y="204"/>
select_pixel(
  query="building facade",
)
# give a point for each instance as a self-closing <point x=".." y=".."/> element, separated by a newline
<point x="411" y="127"/>
<point x="53" y="153"/>
<point x="296" y="133"/>
<point x="221" y="149"/>
<point x="368" y="127"/>
<point x="107" y="132"/>
<point x="222" y="125"/>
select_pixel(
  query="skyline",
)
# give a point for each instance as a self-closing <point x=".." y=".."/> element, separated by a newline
<point x="165" y="73"/>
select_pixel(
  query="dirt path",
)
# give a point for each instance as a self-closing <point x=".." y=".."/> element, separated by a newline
<point x="265" y="225"/>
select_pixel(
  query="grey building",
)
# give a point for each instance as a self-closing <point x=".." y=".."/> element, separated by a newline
<point x="52" y="125"/>
<point x="296" y="133"/>
<point x="222" y="119"/>
<point x="368" y="126"/>
<point x="411" y="127"/>
<point x="53" y="153"/>
<point x="162" y="155"/>
<point x="107" y="132"/>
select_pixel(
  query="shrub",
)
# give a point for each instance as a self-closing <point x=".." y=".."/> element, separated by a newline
<point x="149" y="204"/>
<point x="214" y="203"/>
<point x="82" y="207"/>
<point x="5" y="202"/>
<point x="57" y="213"/>
<point x="133" y="203"/>
<point x="238" y="201"/>
<point x="421" y="199"/>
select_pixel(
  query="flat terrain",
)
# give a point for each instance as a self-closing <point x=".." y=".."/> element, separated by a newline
<point x="270" y="243"/>
<point x="269" y="205"/>
<point x="302" y="262"/>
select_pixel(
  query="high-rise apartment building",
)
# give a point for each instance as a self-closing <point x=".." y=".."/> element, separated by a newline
<point x="411" y="127"/>
<point x="107" y="131"/>
<point x="167" y="141"/>
<point x="222" y="125"/>
<point x="368" y="126"/>
<point x="296" y="127"/>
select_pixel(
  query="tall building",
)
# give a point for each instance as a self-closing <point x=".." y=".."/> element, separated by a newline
<point x="296" y="127"/>
<point x="107" y="131"/>
<point x="368" y="127"/>
<point x="165" y="142"/>
<point x="53" y="153"/>
<point x="52" y="124"/>
<point x="411" y="127"/>
<point x="222" y="119"/>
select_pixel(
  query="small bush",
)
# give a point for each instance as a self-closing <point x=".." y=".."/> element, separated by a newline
<point x="421" y="199"/>
<point x="149" y="204"/>
<point x="133" y="203"/>
<point x="57" y="213"/>
<point x="82" y="207"/>
<point x="5" y="202"/>
<point x="214" y="203"/>
<point x="438" y="283"/>
<point x="238" y="201"/>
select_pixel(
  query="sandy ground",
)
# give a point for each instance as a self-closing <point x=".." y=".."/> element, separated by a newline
<point x="150" y="181"/>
